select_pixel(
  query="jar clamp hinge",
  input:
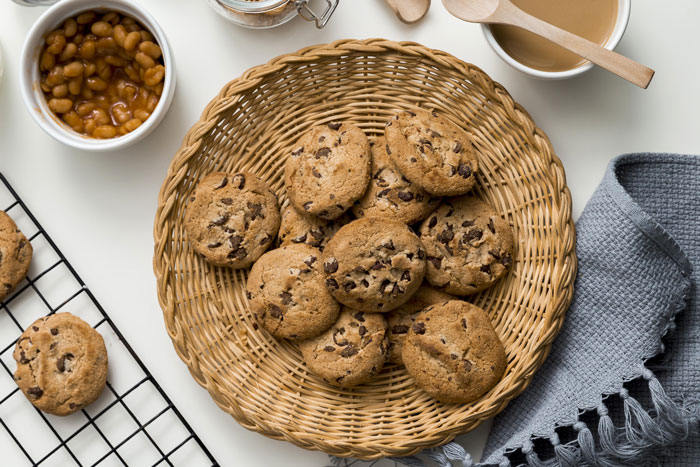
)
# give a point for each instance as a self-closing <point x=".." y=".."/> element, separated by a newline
<point x="309" y="15"/>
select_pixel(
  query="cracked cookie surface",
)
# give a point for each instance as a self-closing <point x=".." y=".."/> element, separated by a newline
<point x="232" y="218"/>
<point x="287" y="293"/>
<point x="453" y="352"/>
<point x="15" y="255"/>
<point x="390" y="194"/>
<point x="328" y="169"/>
<point x="351" y="351"/>
<point x="298" y="227"/>
<point x="373" y="264"/>
<point x="469" y="246"/>
<point x="400" y="320"/>
<point x="61" y="364"/>
<point x="432" y="152"/>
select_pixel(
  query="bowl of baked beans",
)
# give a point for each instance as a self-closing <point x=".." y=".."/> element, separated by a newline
<point x="97" y="76"/>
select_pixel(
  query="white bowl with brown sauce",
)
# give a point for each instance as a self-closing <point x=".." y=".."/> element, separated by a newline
<point x="601" y="21"/>
<point x="96" y="88"/>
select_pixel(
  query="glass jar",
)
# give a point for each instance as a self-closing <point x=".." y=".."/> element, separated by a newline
<point x="261" y="14"/>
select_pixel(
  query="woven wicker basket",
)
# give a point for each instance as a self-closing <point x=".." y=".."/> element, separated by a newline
<point x="252" y="125"/>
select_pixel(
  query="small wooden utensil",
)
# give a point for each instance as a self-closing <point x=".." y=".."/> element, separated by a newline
<point x="504" y="12"/>
<point x="409" y="11"/>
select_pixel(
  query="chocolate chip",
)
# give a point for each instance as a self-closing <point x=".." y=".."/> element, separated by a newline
<point x="435" y="134"/>
<point x="421" y="253"/>
<point x="265" y="239"/>
<point x="23" y="358"/>
<point x="348" y="286"/>
<point x="495" y="255"/>
<point x="307" y="204"/>
<point x="332" y="284"/>
<point x="419" y="327"/>
<point x="54" y="332"/>
<point x="445" y="236"/>
<point x="323" y="213"/>
<point x="214" y="245"/>
<point x="298" y="152"/>
<point x="310" y="261"/>
<point x="340" y="342"/>
<point x="377" y="265"/>
<point x="35" y="328"/>
<point x="36" y="392"/>
<point x="299" y="239"/>
<point x="321" y="139"/>
<point x="464" y="170"/>
<point x="238" y="253"/>
<point x="388" y="151"/>
<point x="329" y="348"/>
<point x="467" y="365"/>
<point x="286" y="298"/>
<point x="384" y="192"/>
<point x="275" y="311"/>
<point x="255" y="211"/>
<point x="323" y="152"/>
<point x="435" y="261"/>
<point x="464" y="323"/>
<point x="221" y="220"/>
<point x="406" y="276"/>
<point x="192" y="198"/>
<point x="450" y="211"/>
<point x="362" y="330"/>
<point x="315" y="172"/>
<point x="389" y="245"/>
<point x="359" y="270"/>
<point x="223" y="183"/>
<point x="491" y="227"/>
<point x="360" y="316"/>
<point x="227" y="201"/>
<point x="425" y="142"/>
<point x="385" y="286"/>
<point x="412" y="114"/>
<point x="458" y="148"/>
<point x="248" y="295"/>
<point x="413" y="159"/>
<point x="474" y="234"/>
<point x="453" y="356"/>
<point x="399" y="329"/>
<point x="405" y="195"/>
<point x="467" y="223"/>
<point x="239" y="181"/>
<point x="364" y="283"/>
<point x="235" y="241"/>
<point x="72" y="405"/>
<point x="317" y="234"/>
<point x="61" y="362"/>
<point x="507" y="260"/>
<point x="331" y="266"/>
<point x="432" y="222"/>
<point x="348" y="351"/>
<point x="334" y="125"/>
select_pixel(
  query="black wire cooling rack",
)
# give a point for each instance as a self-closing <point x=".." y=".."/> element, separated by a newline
<point x="133" y="423"/>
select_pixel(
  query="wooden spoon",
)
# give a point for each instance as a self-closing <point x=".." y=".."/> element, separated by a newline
<point x="409" y="11"/>
<point x="504" y="12"/>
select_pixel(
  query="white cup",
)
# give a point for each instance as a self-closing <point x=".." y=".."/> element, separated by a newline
<point x="623" y="16"/>
<point x="29" y="76"/>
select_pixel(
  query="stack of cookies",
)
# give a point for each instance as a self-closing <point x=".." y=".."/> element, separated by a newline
<point x="379" y="239"/>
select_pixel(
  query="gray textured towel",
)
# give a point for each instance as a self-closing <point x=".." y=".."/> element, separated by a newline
<point x="621" y="385"/>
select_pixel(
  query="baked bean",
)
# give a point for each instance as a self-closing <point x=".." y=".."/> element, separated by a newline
<point x="55" y="76"/>
<point x="70" y="27"/>
<point x="147" y="36"/>
<point x="85" y="109"/>
<point x="106" y="45"/>
<point x="57" y="44"/>
<point x="115" y="61"/>
<point x="152" y="103"/>
<point x="133" y="124"/>
<point x="60" y="91"/>
<point x="87" y="17"/>
<point x="96" y="84"/>
<point x="119" y="34"/>
<point x="131" y="73"/>
<point x="73" y="69"/>
<point x="90" y="69"/>
<point x="141" y="114"/>
<point x="74" y="121"/>
<point x="90" y="126"/>
<point x="105" y="132"/>
<point x="159" y="89"/>
<point x="151" y="49"/>
<point x="132" y="40"/>
<point x="121" y="113"/>
<point x="78" y="39"/>
<point x="154" y="75"/>
<point x="48" y="60"/>
<point x="87" y="50"/>
<point x="60" y="106"/>
<point x="101" y="116"/>
<point x="111" y="17"/>
<point x="103" y="102"/>
<point x="69" y="52"/>
<point x="45" y="87"/>
<point x="127" y="21"/>
<point x="87" y="93"/>
<point x="75" y="85"/>
<point x="145" y="61"/>
<point x="52" y="36"/>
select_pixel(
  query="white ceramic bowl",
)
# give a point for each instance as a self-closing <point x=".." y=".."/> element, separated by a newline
<point x="623" y="16"/>
<point x="29" y="74"/>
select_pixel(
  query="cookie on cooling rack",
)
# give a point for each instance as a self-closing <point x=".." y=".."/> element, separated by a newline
<point x="15" y="255"/>
<point x="350" y="352"/>
<point x="432" y="152"/>
<point x="287" y="294"/>
<point x="61" y="364"/>
<point x="328" y="170"/>
<point x="374" y="264"/>
<point x="453" y="352"/>
<point x="390" y="195"/>
<point x="232" y="218"/>
<point x="298" y="227"/>
<point x="469" y="246"/>
<point x="401" y="319"/>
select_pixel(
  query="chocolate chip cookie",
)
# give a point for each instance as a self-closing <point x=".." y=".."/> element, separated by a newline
<point x="374" y="264"/>
<point x="453" y="352"/>
<point x="61" y="364"/>
<point x="328" y="170"/>
<point x="469" y="246"/>
<point x="390" y="195"/>
<point x="287" y="293"/>
<point x="298" y="227"/>
<point x="15" y="255"/>
<point x="400" y="320"/>
<point x="432" y="152"/>
<point x="350" y="352"/>
<point x="232" y="218"/>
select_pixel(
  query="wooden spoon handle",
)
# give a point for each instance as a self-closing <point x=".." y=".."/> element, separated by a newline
<point x="622" y="66"/>
<point x="409" y="11"/>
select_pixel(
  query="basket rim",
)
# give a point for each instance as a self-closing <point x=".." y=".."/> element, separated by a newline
<point x="566" y="262"/>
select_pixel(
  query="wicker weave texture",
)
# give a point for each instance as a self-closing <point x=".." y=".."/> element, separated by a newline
<point x="252" y="125"/>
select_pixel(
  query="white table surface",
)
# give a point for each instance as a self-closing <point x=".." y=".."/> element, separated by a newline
<point x="99" y="208"/>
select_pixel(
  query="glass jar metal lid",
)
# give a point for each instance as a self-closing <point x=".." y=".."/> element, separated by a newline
<point x="277" y="11"/>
